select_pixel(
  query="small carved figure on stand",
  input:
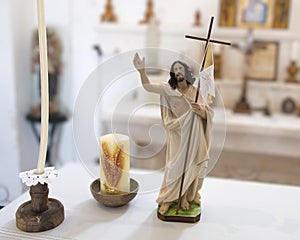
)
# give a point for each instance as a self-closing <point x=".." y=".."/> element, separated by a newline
<point x="197" y="22"/>
<point x="109" y="15"/>
<point x="54" y="68"/>
<point x="177" y="109"/>
<point x="149" y="14"/>
<point x="292" y="71"/>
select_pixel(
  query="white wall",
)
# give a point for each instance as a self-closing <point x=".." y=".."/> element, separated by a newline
<point x="10" y="185"/>
<point x="23" y="20"/>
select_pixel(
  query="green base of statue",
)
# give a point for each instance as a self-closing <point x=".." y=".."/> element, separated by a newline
<point x="192" y="215"/>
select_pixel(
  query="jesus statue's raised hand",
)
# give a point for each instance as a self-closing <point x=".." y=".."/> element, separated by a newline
<point x="138" y="62"/>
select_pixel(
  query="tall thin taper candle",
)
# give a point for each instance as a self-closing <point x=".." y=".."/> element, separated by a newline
<point x="44" y="87"/>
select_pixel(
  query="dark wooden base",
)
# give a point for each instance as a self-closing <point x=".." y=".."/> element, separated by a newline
<point x="28" y="220"/>
<point x="179" y="218"/>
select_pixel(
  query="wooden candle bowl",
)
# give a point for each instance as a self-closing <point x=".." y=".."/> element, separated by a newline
<point x="114" y="200"/>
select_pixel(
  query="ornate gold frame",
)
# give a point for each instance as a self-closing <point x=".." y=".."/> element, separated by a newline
<point x="245" y="14"/>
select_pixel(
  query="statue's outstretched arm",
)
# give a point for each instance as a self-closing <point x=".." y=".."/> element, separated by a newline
<point x="140" y="67"/>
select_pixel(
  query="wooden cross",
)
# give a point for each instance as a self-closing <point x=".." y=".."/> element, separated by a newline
<point x="207" y="40"/>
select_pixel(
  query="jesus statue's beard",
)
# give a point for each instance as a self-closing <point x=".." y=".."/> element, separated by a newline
<point x="180" y="78"/>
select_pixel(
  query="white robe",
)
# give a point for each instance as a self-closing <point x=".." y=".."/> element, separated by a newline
<point x="177" y="117"/>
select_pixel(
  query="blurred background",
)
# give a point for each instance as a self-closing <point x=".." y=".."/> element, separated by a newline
<point x="257" y="78"/>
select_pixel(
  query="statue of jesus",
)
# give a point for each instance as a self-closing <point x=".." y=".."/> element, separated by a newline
<point x="178" y="108"/>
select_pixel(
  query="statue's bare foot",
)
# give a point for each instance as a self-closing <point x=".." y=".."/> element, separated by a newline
<point x="164" y="208"/>
<point x="197" y="199"/>
<point x="185" y="204"/>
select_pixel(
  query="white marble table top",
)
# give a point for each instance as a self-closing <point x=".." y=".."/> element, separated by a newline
<point x="231" y="210"/>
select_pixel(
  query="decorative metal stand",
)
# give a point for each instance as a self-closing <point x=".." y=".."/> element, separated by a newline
<point x="55" y="120"/>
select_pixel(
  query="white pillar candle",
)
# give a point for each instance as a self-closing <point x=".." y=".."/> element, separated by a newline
<point x="44" y="87"/>
<point x="295" y="51"/>
<point x="114" y="163"/>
